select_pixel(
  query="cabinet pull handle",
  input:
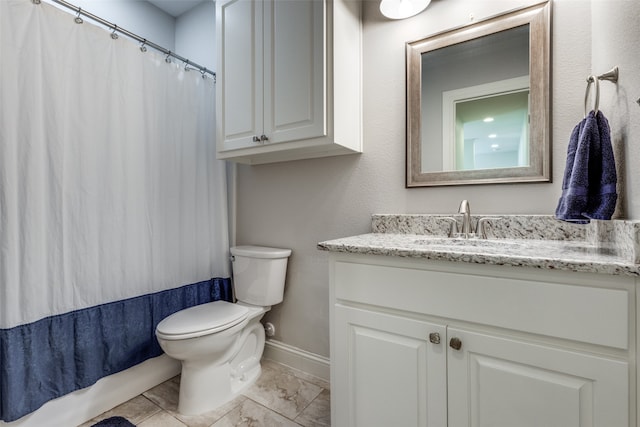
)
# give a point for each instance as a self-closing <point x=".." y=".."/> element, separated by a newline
<point x="263" y="138"/>
<point x="256" y="139"/>
<point x="455" y="343"/>
<point x="434" y="338"/>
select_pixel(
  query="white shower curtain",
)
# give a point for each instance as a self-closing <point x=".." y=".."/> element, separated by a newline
<point x="109" y="190"/>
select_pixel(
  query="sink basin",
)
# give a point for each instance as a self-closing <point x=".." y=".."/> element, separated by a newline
<point x="495" y="246"/>
<point x="511" y="247"/>
<point x="468" y="243"/>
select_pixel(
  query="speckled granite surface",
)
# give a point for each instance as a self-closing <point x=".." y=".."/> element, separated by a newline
<point x="538" y="241"/>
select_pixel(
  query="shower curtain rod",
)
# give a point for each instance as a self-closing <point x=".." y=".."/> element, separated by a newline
<point x="188" y="65"/>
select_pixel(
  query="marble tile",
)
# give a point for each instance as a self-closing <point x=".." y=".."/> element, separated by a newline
<point x="251" y="414"/>
<point x="166" y="396"/>
<point x="299" y="374"/>
<point x="280" y="395"/>
<point x="162" y="419"/>
<point x="282" y="392"/>
<point x="318" y="413"/>
<point x="135" y="410"/>
<point x="208" y="418"/>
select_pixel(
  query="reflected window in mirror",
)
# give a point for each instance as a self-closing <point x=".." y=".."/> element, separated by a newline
<point x="489" y="132"/>
<point x="478" y="102"/>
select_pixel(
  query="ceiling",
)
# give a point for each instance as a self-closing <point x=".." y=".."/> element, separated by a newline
<point x="176" y="8"/>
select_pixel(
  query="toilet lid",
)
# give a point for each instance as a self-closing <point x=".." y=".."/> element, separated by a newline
<point x="210" y="317"/>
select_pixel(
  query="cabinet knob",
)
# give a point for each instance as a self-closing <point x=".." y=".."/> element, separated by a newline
<point x="434" y="338"/>
<point x="455" y="343"/>
<point x="263" y="138"/>
<point x="256" y="139"/>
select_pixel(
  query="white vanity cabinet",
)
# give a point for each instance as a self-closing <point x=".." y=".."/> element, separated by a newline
<point x="385" y="372"/>
<point x="288" y="82"/>
<point x="430" y="343"/>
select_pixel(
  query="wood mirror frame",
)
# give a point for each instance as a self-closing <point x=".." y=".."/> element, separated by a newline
<point x="538" y="19"/>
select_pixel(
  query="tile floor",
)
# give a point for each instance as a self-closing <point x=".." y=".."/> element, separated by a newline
<point x="282" y="397"/>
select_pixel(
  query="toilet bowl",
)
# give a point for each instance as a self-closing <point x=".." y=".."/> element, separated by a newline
<point x="220" y="344"/>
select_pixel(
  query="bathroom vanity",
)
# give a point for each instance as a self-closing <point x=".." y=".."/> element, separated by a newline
<point x="428" y="330"/>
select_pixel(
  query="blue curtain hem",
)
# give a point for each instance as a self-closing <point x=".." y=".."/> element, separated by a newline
<point x="57" y="355"/>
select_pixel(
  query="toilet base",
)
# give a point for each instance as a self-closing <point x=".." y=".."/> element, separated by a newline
<point x="199" y="396"/>
<point x="206" y="386"/>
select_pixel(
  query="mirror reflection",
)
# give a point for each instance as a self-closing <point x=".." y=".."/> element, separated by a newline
<point x="474" y="115"/>
<point x="477" y="99"/>
<point x="491" y="131"/>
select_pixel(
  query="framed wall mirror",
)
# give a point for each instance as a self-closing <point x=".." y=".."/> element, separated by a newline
<point x="478" y="103"/>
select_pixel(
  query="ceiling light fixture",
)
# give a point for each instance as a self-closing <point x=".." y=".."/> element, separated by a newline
<point x="400" y="9"/>
<point x="488" y="119"/>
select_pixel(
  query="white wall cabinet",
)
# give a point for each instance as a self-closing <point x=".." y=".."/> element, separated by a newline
<point x="419" y="343"/>
<point x="288" y="81"/>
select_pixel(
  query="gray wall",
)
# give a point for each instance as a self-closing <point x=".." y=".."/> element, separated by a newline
<point x="297" y="204"/>
<point x="196" y="35"/>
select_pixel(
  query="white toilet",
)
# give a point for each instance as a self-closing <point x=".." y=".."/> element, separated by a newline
<point x="220" y="343"/>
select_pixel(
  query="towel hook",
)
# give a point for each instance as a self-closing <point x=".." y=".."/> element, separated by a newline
<point x="590" y="80"/>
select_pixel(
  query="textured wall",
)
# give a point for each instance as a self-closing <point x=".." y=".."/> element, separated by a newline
<point x="615" y="37"/>
<point x="196" y="35"/>
<point x="297" y="204"/>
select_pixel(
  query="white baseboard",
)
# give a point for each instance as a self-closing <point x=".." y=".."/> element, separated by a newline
<point x="82" y="405"/>
<point x="296" y="358"/>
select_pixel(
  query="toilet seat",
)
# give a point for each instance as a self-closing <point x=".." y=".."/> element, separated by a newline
<point x="202" y="319"/>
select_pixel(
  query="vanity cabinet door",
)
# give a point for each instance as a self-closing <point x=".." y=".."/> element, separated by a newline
<point x="500" y="382"/>
<point x="387" y="370"/>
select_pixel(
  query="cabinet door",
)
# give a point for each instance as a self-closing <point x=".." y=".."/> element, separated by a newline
<point x="294" y="71"/>
<point x="501" y="382"/>
<point x="386" y="372"/>
<point x="239" y="107"/>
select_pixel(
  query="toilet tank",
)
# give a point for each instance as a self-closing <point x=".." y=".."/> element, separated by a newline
<point x="259" y="274"/>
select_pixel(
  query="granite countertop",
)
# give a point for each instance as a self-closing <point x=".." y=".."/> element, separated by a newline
<point x="571" y="249"/>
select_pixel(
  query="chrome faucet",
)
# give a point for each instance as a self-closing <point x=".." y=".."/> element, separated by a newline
<point x="465" y="210"/>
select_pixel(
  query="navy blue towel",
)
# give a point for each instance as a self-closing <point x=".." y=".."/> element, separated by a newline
<point x="589" y="185"/>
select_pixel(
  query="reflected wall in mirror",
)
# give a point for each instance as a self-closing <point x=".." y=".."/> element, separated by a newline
<point x="478" y="102"/>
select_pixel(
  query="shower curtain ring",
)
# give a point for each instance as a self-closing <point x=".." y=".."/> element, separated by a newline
<point x="202" y="71"/>
<point x="186" y="65"/>
<point x="143" y="47"/>
<point x="167" y="58"/>
<point x="78" y="19"/>
<point x="114" y="35"/>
